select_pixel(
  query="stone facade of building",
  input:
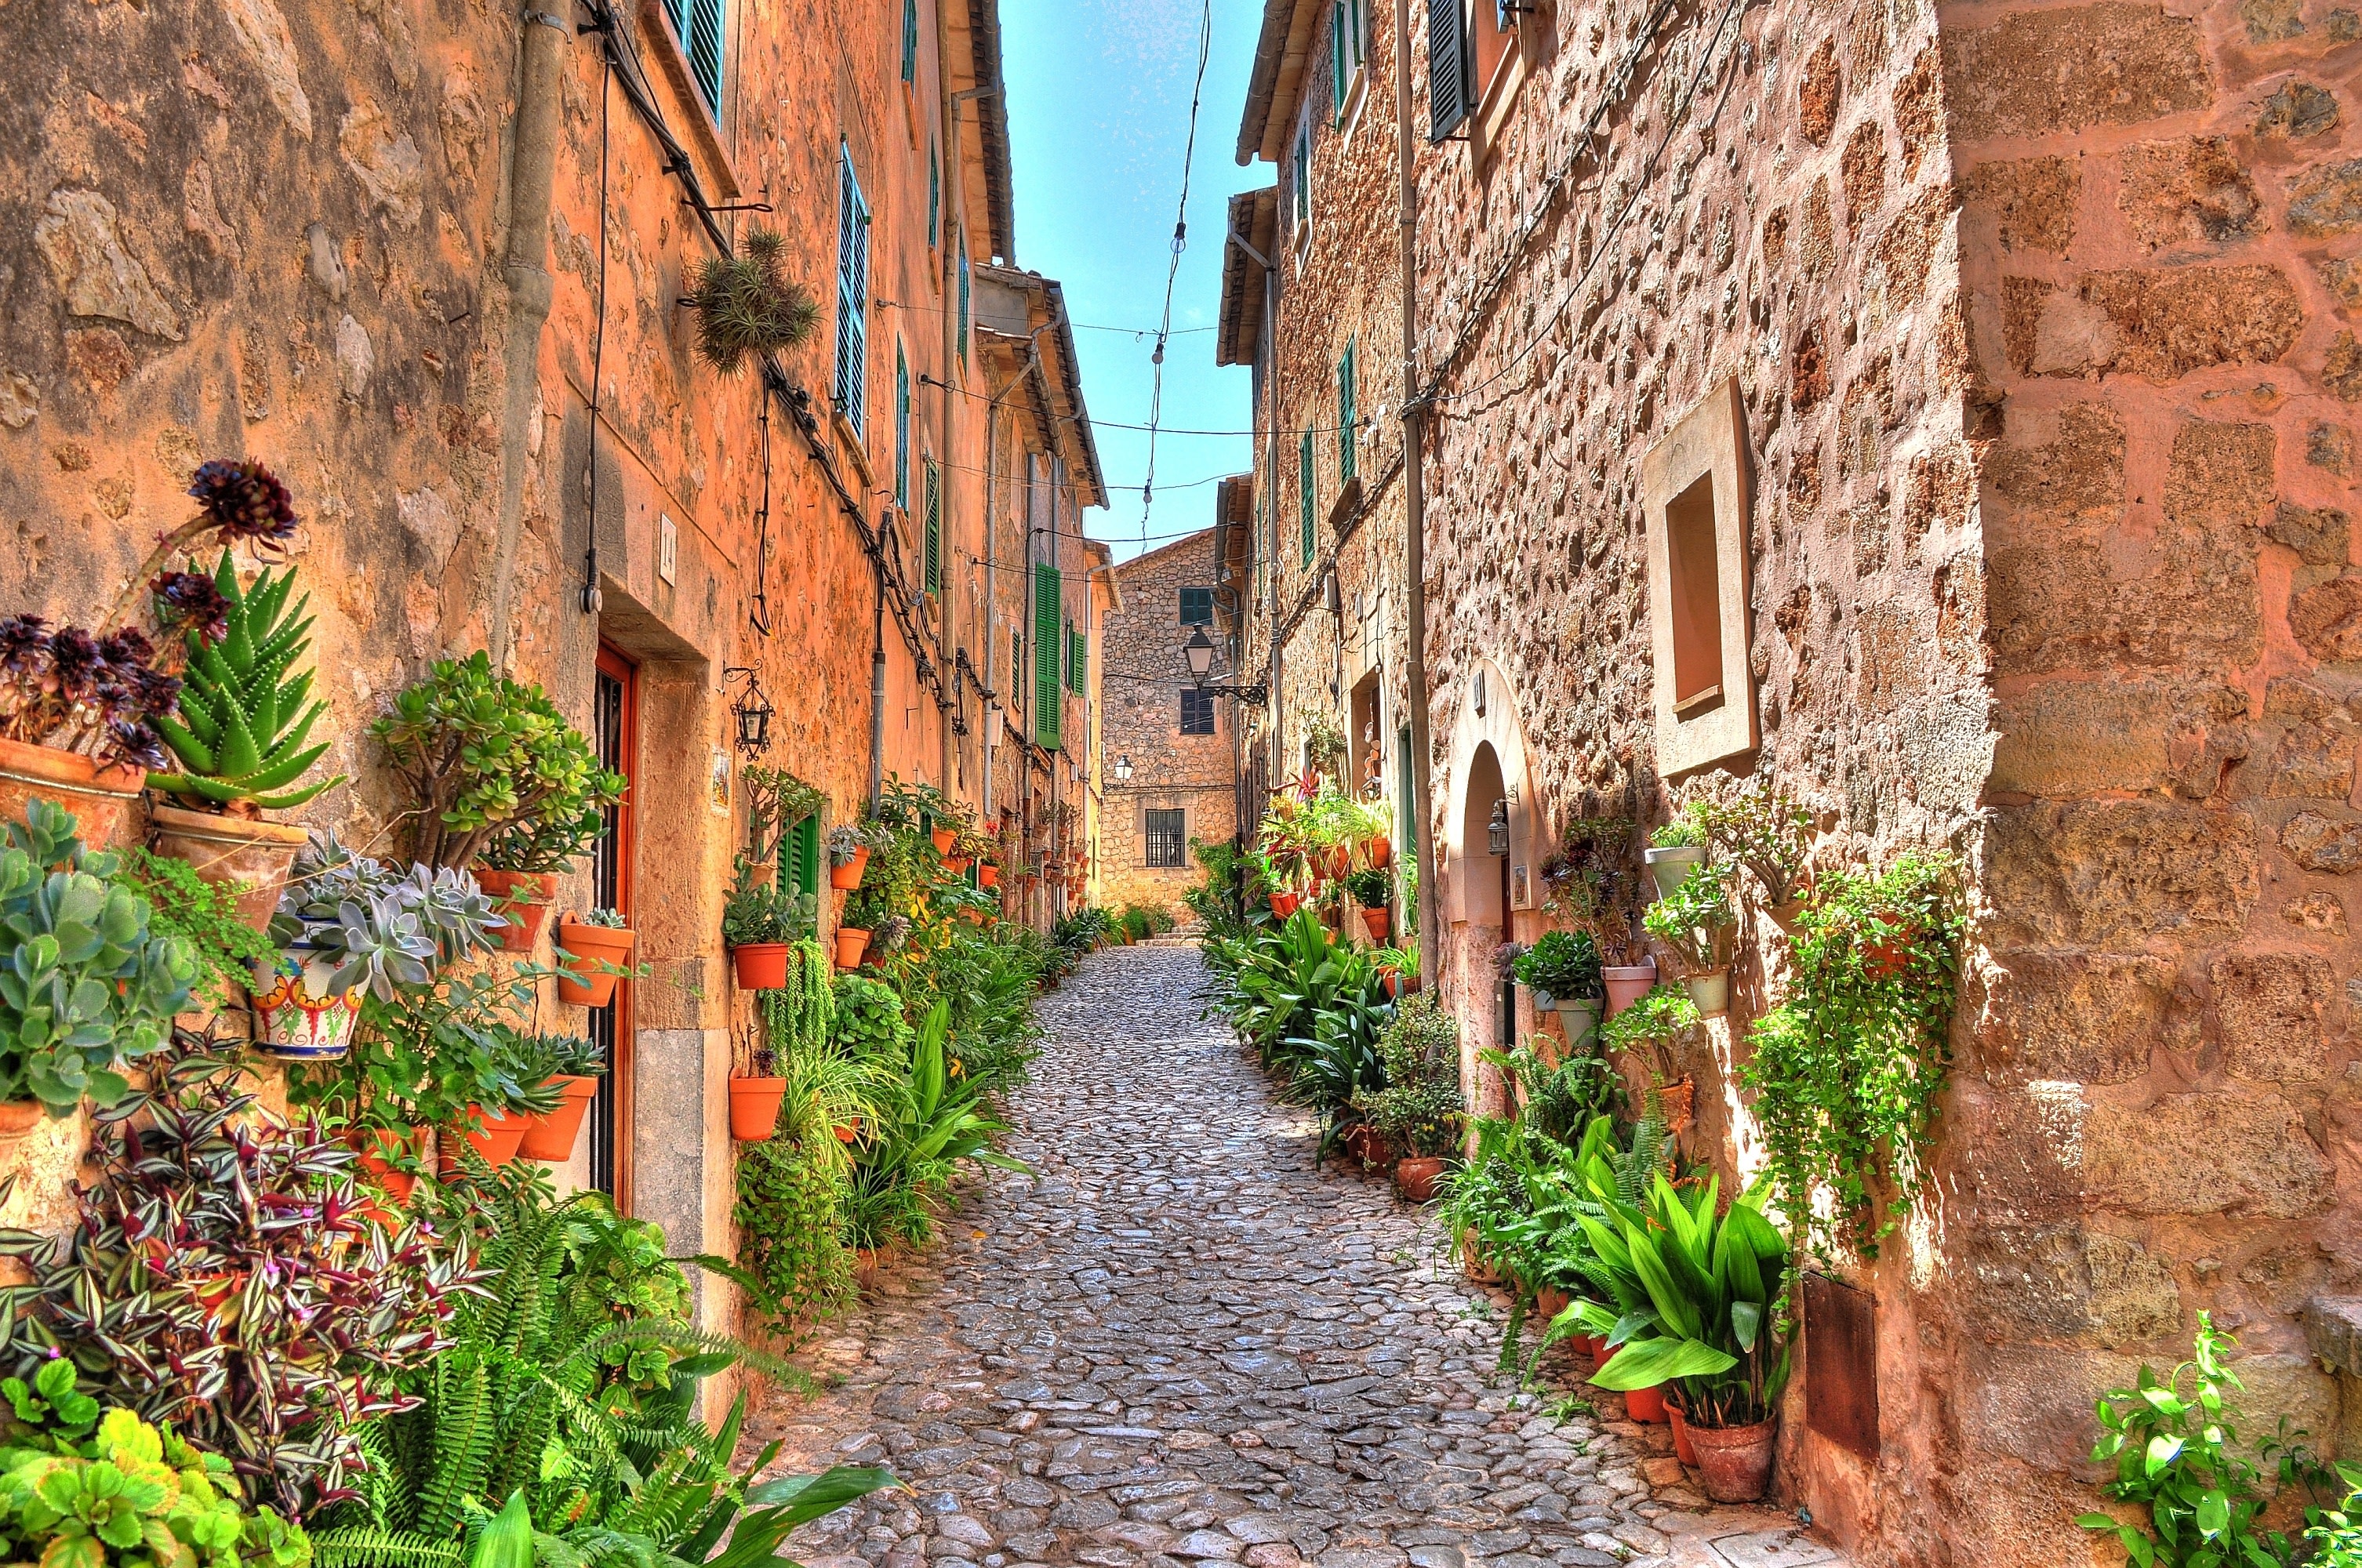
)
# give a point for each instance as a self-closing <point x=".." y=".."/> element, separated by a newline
<point x="2032" y="330"/>
<point x="401" y="254"/>
<point x="1151" y="704"/>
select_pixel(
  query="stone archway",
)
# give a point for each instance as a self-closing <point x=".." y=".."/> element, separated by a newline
<point x="1484" y="900"/>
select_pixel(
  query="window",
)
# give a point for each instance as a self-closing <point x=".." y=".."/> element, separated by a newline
<point x="1197" y="712"/>
<point x="1197" y="606"/>
<point x="1300" y="166"/>
<point x="1078" y="645"/>
<point x="1048" y="613"/>
<point x="1348" y="45"/>
<point x="1306" y="488"/>
<point x="698" y="24"/>
<point x="852" y="292"/>
<point x="1163" y="842"/>
<point x="1348" y="438"/>
<point x="911" y="41"/>
<point x="901" y="428"/>
<point x="963" y="293"/>
<point x="932" y="566"/>
<point x="1693" y="492"/>
<point x="935" y="197"/>
<point x="1447" y="67"/>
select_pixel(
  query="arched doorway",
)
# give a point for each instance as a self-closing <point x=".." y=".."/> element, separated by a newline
<point x="1485" y="899"/>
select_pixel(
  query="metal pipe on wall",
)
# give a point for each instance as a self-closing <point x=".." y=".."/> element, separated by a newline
<point x="1414" y="414"/>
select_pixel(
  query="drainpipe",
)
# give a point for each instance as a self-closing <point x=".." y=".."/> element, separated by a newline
<point x="1414" y="416"/>
<point x="1280" y="773"/>
<point x="878" y="693"/>
<point x="541" y="48"/>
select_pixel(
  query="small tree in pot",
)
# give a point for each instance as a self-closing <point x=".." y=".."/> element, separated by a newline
<point x="1650" y="1029"/>
<point x="1696" y="921"/>
<point x="1419" y="1112"/>
<point x="1562" y="970"/>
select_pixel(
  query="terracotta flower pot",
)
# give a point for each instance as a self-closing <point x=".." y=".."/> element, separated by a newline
<point x="1283" y="905"/>
<point x="495" y="1137"/>
<point x="1475" y="1264"/>
<point x="246" y="853"/>
<point x="376" y="1145"/>
<point x="580" y="947"/>
<point x="549" y="1136"/>
<point x="1417" y="1176"/>
<point x="1884" y="957"/>
<point x="1710" y="991"/>
<point x="1682" y="1450"/>
<point x="1377" y="922"/>
<point x="19" y="1117"/>
<point x="957" y="865"/>
<point x="1628" y="983"/>
<point x="1381" y="852"/>
<point x="848" y="1132"/>
<point x="524" y="900"/>
<point x="1672" y="866"/>
<point x="1677" y="1101"/>
<point x="1393" y="978"/>
<point x="1734" y="1463"/>
<point x="754" y="1108"/>
<point x="852" y="941"/>
<point x="1550" y="1301"/>
<point x="1340" y="860"/>
<point x="944" y="838"/>
<point x="761" y="965"/>
<point x="987" y="874"/>
<point x="297" y="1016"/>
<point x="96" y="796"/>
<point x="848" y="876"/>
<point x="1646" y="1405"/>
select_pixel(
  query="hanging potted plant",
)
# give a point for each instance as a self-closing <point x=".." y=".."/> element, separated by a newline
<point x="748" y="307"/>
<point x="1651" y="1029"/>
<point x="755" y="1092"/>
<point x="1771" y="836"/>
<point x="1674" y="851"/>
<point x="1696" y="921"/>
<point x="849" y="857"/>
<point x="1562" y="969"/>
<point x="508" y="1079"/>
<point x="1373" y="888"/>
<point x="573" y="1066"/>
<point x="866" y="915"/>
<point x="238" y="741"/>
<point x="758" y="922"/>
<point x="79" y="709"/>
<point x="987" y="874"/>
<point x="594" y="951"/>
<point x="501" y="783"/>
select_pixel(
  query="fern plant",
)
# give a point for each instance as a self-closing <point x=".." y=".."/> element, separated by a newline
<point x="239" y="732"/>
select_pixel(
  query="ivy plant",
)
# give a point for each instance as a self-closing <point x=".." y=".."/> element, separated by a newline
<point x="204" y="916"/>
<point x="1848" y="1070"/>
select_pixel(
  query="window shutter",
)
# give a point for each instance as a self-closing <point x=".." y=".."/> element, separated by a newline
<point x="1347" y="456"/>
<point x="1306" y="484"/>
<point x="1338" y="67"/>
<point x="934" y="561"/>
<point x="852" y="293"/>
<point x="1080" y="662"/>
<point x="901" y="429"/>
<point x="935" y="197"/>
<point x="1302" y="159"/>
<point x="704" y="41"/>
<point x="910" y="41"/>
<point x="963" y="293"/>
<point x="1447" y="67"/>
<point x="1048" y="613"/>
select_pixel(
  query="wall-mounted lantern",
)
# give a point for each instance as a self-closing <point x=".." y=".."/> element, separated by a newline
<point x="751" y="713"/>
<point x="1497" y="832"/>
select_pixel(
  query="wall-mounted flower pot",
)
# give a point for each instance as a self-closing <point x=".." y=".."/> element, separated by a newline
<point x="1675" y="1103"/>
<point x="96" y="796"/>
<point x="1628" y="983"/>
<point x="581" y="947"/>
<point x="524" y="899"/>
<point x="1377" y="922"/>
<point x="754" y="1108"/>
<point x="1672" y="866"/>
<point x="852" y="941"/>
<point x="297" y="1016"/>
<point x="1884" y="957"/>
<point x="847" y="877"/>
<point x="987" y="874"/>
<point x="1682" y="1450"/>
<point x="1578" y="1016"/>
<point x="378" y="1146"/>
<point x="944" y="838"/>
<point x="230" y="852"/>
<point x="1710" y="991"/>
<point x="957" y="865"/>
<point x="1416" y="1178"/>
<point x="1381" y="852"/>
<point x="760" y="966"/>
<point x="1283" y="905"/>
<point x="1734" y="1463"/>
<point x="494" y="1136"/>
<point x="549" y="1136"/>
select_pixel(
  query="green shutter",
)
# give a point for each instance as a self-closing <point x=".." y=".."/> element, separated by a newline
<point x="935" y="197"/>
<point x="934" y="562"/>
<point x="852" y="294"/>
<point x="1048" y="611"/>
<point x="901" y="428"/>
<point x="1346" y="442"/>
<point x="1304" y="482"/>
<point x="963" y="293"/>
<point x="1337" y="67"/>
<point x="1078" y="660"/>
<point x="910" y="41"/>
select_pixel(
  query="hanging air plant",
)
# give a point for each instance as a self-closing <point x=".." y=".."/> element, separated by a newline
<point x="748" y="305"/>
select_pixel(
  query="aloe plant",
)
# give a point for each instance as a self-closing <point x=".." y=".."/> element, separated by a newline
<point x="243" y="719"/>
<point x="86" y="985"/>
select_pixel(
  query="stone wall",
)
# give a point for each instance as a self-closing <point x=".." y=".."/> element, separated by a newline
<point x="1146" y="674"/>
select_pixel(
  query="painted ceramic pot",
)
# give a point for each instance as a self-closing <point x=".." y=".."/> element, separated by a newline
<point x="298" y="1016"/>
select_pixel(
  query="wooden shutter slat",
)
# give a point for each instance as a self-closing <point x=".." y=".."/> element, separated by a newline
<point x="1447" y="67"/>
<point x="1048" y="613"/>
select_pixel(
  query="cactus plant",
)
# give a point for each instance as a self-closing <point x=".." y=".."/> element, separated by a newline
<point x="242" y="722"/>
<point x="86" y="985"/>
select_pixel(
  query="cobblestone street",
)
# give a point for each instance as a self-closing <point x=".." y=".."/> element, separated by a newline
<point x="1180" y="1342"/>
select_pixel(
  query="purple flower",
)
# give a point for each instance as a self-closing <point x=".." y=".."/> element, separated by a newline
<point x="188" y="602"/>
<point x="244" y="500"/>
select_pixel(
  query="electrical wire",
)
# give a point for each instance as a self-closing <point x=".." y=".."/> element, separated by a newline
<point x="1172" y="269"/>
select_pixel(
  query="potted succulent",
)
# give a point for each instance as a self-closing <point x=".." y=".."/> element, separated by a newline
<point x="1675" y="850"/>
<point x="1694" y="1302"/>
<point x="1650" y="1029"/>
<point x="347" y="924"/>
<point x="510" y="1084"/>
<point x="748" y="305"/>
<point x="237" y="740"/>
<point x="1696" y="920"/>
<point x="594" y="951"/>
<point x="758" y="922"/>
<point x="1562" y="969"/>
<point x="756" y="1093"/>
<point x="88" y="986"/>
<point x="849" y="857"/>
<point x="79" y="709"/>
<point x="1373" y="888"/>
<point x="573" y="1066"/>
<point x="1771" y="836"/>
<point x="501" y="782"/>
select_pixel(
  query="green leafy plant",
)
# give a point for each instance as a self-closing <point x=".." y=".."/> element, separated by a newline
<point x="757" y="910"/>
<point x="1696" y="920"/>
<point x="203" y="917"/>
<point x="390" y="930"/>
<point x="239" y="736"/>
<point x="748" y="305"/>
<point x="2334" y="1536"/>
<point x="2177" y="1454"/>
<point x="1419" y="1107"/>
<point x="225" y="1275"/>
<point x="1652" y="1027"/>
<point x="1561" y="963"/>
<point x="610" y="920"/>
<point x="497" y="773"/>
<point x="87" y="986"/>
<point x="789" y="1211"/>
<point x="82" y="1489"/>
<point x="1765" y="832"/>
<point x="1847" y="1071"/>
<point x="535" y="1059"/>
<point x="1686" y="829"/>
<point x="1370" y="887"/>
<point x="1561" y="1100"/>
<point x="869" y="1021"/>
<point x="902" y="1176"/>
<point x="1587" y="880"/>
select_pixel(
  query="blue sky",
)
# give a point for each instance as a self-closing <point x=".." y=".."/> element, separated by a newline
<point x="1099" y="114"/>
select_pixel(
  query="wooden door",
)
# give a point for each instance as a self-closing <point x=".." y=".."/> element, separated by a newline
<point x="615" y="732"/>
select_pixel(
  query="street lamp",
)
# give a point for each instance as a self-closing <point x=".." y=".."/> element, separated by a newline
<point x="1198" y="651"/>
<point x="1123" y="770"/>
<point x="1497" y="832"/>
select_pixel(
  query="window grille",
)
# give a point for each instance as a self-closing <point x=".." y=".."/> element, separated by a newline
<point x="1167" y="845"/>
